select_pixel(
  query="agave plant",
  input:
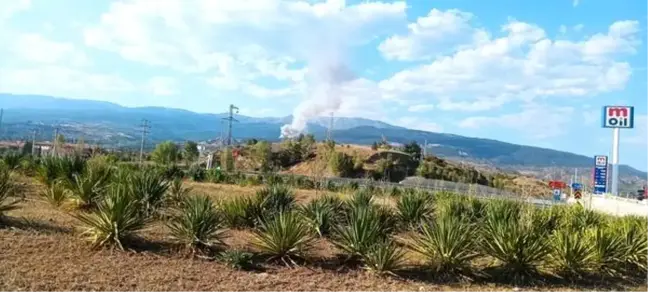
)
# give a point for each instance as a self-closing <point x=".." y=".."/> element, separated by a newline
<point x="515" y="242"/>
<point x="7" y="189"/>
<point x="56" y="194"/>
<point x="448" y="244"/>
<point x="197" y="224"/>
<point x="610" y="251"/>
<point x="12" y="160"/>
<point x="320" y="215"/>
<point x="580" y="218"/>
<point x="88" y="188"/>
<point x="412" y="208"/>
<point x="177" y="191"/>
<point x="285" y="237"/>
<point x="634" y="232"/>
<point x="275" y="199"/>
<point x="363" y="229"/>
<point x="360" y="198"/>
<point x="237" y="259"/>
<point x="240" y="212"/>
<point x="116" y="219"/>
<point x="384" y="258"/>
<point x="148" y="188"/>
<point x="571" y="255"/>
<point x="70" y="166"/>
<point x="48" y="170"/>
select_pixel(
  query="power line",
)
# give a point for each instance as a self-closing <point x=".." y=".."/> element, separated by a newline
<point x="230" y="119"/>
<point x="145" y="126"/>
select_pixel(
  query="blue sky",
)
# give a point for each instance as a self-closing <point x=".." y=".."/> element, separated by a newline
<point x="527" y="72"/>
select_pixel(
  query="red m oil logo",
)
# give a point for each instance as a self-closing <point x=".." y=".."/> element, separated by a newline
<point x="618" y="117"/>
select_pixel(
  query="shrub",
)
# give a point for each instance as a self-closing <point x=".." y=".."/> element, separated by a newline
<point x="237" y="259"/>
<point x="285" y="237"/>
<point x="7" y="189"/>
<point x="320" y="214"/>
<point x="196" y="224"/>
<point x="148" y="188"/>
<point x="448" y="244"/>
<point x="240" y="212"/>
<point x="571" y="255"/>
<point x="177" y="192"/>
<point x="11" y="160"/>
<point x="116" y="219"/>
<point x="341" y="164"/>
<point x="609" y="251"/>
<point x="515" y="242"/>
<point x="361" y="230"/>
<point x="275" y="199"/>
<point x="88" y="188"/>
<point x="384" y="258"/>
<point x="56" y="194"/>
<point x="412" y="208"/>
<point x="197" y="173"/>
<point x="634" y="233"/>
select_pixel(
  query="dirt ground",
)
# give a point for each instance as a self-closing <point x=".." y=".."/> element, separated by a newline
<point x="40" y="249"/>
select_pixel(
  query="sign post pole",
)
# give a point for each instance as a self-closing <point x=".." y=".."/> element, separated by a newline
<point x="617" y="117"/>
<point x="615" y="162"/>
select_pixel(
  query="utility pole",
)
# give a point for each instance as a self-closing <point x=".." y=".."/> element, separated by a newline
<point x="230" y="119"/>
<point x="33" y="146"/>
<point x="145" y="126"/>
<point x="55" y="142"/>
<point x="329" y="132"/>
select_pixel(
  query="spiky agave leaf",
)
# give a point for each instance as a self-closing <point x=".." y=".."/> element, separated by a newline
<point x="177" y="191"/>
<point x="7" y="189"/>
<point x="448" y="244"/>
<point x="285" y="237"/>
<point x="572" y="256"/>
<point x="384" y="258"/>
<point x="116" y="218"/>
<point x="634" y="232"/>
<point x="88" y="188"/>
<point x="319" y="215"/>
<point x="609" y="251"/>
<point x="359" y="232"/>
<point x="412" y="208"/>
<point x="149" y="189"/>
<point x="56" y="194"/>
<point x="240" y="212"/>
<point x="516" y="243"/>
<point x="197" y="224"/>
<point x="275" y="199"/>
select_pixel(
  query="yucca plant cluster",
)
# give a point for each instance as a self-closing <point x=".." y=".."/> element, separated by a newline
<point x="452" y="237"/>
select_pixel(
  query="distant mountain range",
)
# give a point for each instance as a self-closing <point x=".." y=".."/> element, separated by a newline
<point x="111" y="124"/>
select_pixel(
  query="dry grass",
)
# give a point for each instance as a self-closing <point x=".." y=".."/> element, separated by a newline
<point x="41" y="250"/>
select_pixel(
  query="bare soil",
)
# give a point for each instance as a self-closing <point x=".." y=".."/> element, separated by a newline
<point x="40" y="249"/>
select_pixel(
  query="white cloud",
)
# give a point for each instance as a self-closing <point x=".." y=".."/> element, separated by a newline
<point x="61" y="81"/>
<point x="10" y="8"/>
<point x="637" y="136"/>
<point x="523" y="65"/>
<point x="418" y="124"/>
<point x="37" y="49"/>
<point x="430" y="35"/>
<point x="234" y="41"/>
<point x="537" y="121"/>
<point x="420" y="108"/>
<point x="162" y="86"/>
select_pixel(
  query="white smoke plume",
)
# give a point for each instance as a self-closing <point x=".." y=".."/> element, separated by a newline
<point x="326" y="77"/>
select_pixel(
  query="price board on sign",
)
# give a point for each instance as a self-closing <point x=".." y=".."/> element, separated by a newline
<point x="600" y="174"/>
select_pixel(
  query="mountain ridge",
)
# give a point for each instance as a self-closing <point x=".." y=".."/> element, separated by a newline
<point x="111" y="123"/>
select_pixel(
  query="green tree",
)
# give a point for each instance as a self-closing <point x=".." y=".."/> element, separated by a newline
<point x="262" y="152"/>
<point x="191" y="151"/>
<point x="341" y="164"/>
<point x="227" y="159"/>
<point x="165" y="153"/>
<point x="27" y="148"/>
